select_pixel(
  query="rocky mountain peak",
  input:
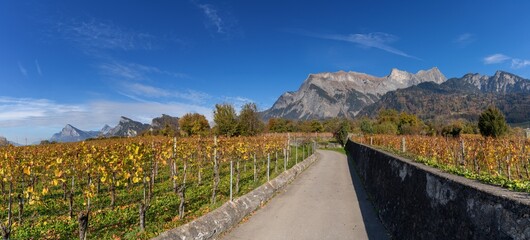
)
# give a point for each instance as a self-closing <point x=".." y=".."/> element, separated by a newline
<point x="500" y="82"/>
<point x="460" y="98"/>
<point x="399" y="75"/>
<point x="72" y="134"/>
<point x="105" y="129"/>
<point x="434" y="74"/>
<point x="70" y="130"/>
<point x="124" y="119"/>
<point x="3" y="141"/>
<point x="127" y="128"/>
<point x="343" y="94"/>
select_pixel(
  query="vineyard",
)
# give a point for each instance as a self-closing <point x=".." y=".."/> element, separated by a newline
<point x="132" y="188"/>
<point x="503" y="161"/>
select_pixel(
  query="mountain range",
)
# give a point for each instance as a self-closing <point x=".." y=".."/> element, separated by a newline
<point x="464" y="98"/>
<point x="5" y="142"/>
<point x="426" y="93"/>
<point x="343" y="94"/>
<point x="126" y="127"/>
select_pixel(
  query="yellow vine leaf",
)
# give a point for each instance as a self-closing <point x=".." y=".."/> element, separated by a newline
<point x="27" y="170"/>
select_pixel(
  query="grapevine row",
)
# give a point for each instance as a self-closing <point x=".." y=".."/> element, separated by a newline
<point x="81" y="180"/>
<point x="507" y="158"/>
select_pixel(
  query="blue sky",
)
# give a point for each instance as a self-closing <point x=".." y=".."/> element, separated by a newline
<point x="87" y="63"/>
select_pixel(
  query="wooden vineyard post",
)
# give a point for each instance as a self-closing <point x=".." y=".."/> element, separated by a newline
<point x="231" y="177"/>
<point x="303" y="152"/>
<point x="268" y="166"/>
<point x="255" y="171"/>
<point x="276" y="163"/>
<point x="284" y="160"/>
<point x="371" y="141"/>
<point x="463" y="151"/>
<point x="296" y="151"/>
<point x="215" y="170"/>
<point x="403" y="146"/>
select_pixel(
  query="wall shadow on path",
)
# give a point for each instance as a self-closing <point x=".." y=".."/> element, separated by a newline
<point x="372" y="223"/>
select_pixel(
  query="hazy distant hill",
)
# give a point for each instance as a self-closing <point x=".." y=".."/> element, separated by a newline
<point x="72" y="134"/>
<point x="126" y="127"/>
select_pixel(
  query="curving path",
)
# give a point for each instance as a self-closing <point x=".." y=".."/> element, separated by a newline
<point x="324" y="202"/>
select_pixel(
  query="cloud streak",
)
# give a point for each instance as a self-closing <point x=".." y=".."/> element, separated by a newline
<point x="134" y="71"/>
<point x="220" y="22"/>
<point x="465" y="39"/>
<point x="139" y="91"/>
<point x="498" y="58"/>
<point x="22" y="70"/>
<point x="93" y="34"/>
<point x="495" y="58"/>
<point x="520" y="63"/>
<point x="37" y="65"/>
<point x="376" y="40"/>
<point x="212" y="16"/>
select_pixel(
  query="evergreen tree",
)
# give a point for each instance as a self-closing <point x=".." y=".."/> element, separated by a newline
<point x="341" y="134"/>
<point x="492" y="123"/>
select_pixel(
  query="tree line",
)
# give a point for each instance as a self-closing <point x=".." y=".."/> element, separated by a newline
<point x="248" y="122"/>
<point x="491" y="123"/>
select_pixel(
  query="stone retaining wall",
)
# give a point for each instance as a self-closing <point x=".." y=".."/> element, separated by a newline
<point x="415" y="201"/>
<point x="231" y="213"/>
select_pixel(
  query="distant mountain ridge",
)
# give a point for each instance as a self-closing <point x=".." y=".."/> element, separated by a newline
<point x="343" y="94"/>
<point x="72" y="134"/>
<point x="464" y="97"/>
<point x="126" y="127"/>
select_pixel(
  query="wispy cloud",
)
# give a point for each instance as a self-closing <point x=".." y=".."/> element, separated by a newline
<point x="145" y="90"/>
<point x="212" y="16"/>
<point x="139" y="92"/>
<point x="93" y="34"/>
<point x="495" y="58"/>
<point x="520" y="63"/>
<point x="37" y="65"/>
<point x="134" y="71"/>
<point x="50" y="115"/>
<point x="22" y="69"/>
<point x="464" y="39"/>
<point x="498" y="58"/>
<point x="219" y="21"/>
<point x="194" y="96"/>
<point x="370" y="40"/>
<point x="13" y="110"/>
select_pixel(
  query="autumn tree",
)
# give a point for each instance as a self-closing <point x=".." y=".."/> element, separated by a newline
<point x="280" y="125"/>
<point x="410" y="124"/>
<point x="388" y="115"/>
<point x="249" y="120"/>
<point x="225" y="118"/>
<point x="366" y="125"/>
<point x="194" y="124"/>
<point x="492" y="123"/>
